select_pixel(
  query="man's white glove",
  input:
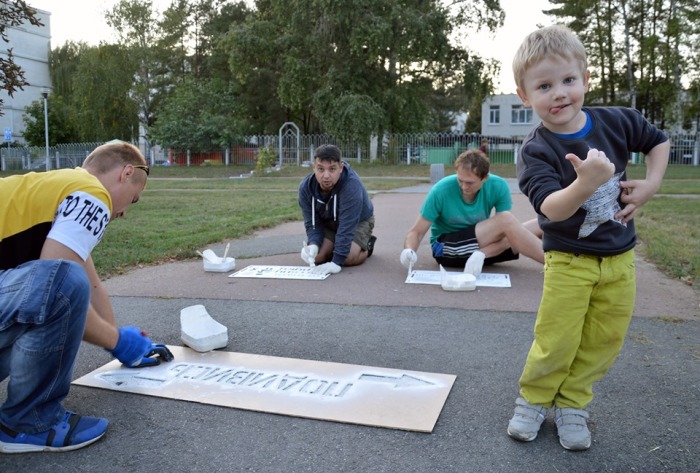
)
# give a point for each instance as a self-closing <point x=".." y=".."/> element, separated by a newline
<point x="327" y="268"/>
<point x="475" y="263"/>
<point x="408" y="257"/>
<point x="308" y="254"/>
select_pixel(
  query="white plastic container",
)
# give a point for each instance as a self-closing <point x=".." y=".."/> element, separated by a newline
<point x="221" y="267"/>
<point x="216" y="264"/>
<point x="457" y="281"/>
<point x="199" y="331"/>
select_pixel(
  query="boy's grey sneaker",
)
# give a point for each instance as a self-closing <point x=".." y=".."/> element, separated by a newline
<point x="526" y="420"/>
<point x="572" y="428"/>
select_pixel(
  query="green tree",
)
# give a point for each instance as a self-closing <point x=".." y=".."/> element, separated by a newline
<point x="641" y="52"/>
<point x="101" y="97"/>
<point x="691" y="106"/>
<point x="13" y="13"/>
<point x="137" y="28"/>
<point x="593" y="21"/>
<point x="475" y="85"/>
<point x="174" y="37"/>
<point x="63" y="62"/>
<point x="202" y="106"/>
<point x="61" y="120"/>
<point x="92" y="84"/>
<point x="682" y="31"/>
<point x="344" y="67"/>
<point x="214" y="29"/>
<point x="189" y="31"/>
<point x="169" y="51"/>
<point x="197" y="115"/>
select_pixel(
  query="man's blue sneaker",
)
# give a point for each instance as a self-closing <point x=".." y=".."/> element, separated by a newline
<point x="70" y="433"/>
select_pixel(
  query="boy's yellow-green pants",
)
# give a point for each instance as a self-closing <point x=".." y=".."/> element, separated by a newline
<point x="586" y="307"/>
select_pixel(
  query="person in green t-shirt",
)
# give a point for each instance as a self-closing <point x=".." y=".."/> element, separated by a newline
<point x="463" y="231"/>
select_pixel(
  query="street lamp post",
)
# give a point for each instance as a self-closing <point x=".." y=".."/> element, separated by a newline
<point x="45" y="94"/>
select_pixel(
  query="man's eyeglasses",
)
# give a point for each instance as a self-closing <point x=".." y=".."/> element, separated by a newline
<point x="146" y="169"/>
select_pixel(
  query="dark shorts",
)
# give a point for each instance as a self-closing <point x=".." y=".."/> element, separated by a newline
<point x="363" y="232"/>
<point x="454" y="249"/>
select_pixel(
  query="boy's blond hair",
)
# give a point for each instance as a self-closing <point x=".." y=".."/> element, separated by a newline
<point x="555" y="40"/>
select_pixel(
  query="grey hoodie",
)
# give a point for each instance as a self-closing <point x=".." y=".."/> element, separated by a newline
<point x="340" y="210"/>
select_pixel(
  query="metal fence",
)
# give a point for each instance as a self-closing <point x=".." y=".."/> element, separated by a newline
<point x="292" y="149"/>
<point x="38" y="159"/>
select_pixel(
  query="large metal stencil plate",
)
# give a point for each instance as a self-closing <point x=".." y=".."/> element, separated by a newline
<point x="278" y="272"/>
<point x="380" y="397"/>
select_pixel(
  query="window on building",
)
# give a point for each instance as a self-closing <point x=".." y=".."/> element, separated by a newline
<point x="494" y="115"/>
<point x="520" y="115"/>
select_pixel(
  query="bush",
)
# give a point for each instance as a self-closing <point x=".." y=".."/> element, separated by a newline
<point x="266" y="159"/>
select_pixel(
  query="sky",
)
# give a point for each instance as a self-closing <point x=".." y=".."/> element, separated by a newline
<point x="84" y="20"/>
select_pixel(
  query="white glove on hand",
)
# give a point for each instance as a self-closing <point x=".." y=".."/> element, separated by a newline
<point x="475" y="263"/>
<point x="408" y="257"/>
<point x="308" y="254"/>
<point x="327" y="268"/>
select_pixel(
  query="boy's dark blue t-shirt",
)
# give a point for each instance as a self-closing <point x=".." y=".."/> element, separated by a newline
<point x="542" y="170"/>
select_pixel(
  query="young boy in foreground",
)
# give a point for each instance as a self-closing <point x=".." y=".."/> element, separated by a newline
<point x="572" y="168"/>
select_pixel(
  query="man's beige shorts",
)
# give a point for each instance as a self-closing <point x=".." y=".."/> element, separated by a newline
<point x="363" y="232"/>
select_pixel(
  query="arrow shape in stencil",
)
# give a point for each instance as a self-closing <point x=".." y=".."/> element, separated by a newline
<point x="403" y="381"/>
<point x="121" y="379"/>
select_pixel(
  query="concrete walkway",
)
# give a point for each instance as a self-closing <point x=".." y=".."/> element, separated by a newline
<point x="644" y="418"/>
<point x="380" y="281"/>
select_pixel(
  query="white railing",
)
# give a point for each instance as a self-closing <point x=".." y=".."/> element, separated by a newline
<point x="399" y="148"/>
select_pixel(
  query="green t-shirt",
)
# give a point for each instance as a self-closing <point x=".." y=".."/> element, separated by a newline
<point x="449" y="213"/>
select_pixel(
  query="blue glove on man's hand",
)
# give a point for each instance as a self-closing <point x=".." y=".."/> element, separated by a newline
<point x="135" y="350"/>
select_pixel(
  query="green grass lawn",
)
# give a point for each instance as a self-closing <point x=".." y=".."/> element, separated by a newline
<point x="176" y="217"/>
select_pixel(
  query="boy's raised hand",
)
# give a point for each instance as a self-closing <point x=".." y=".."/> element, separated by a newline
<point x="595" y="170"/>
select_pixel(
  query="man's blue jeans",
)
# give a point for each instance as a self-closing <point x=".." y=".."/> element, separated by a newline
<point x="43" y="308"/>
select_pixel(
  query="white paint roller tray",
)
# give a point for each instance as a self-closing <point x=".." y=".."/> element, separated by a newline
<point x="199" y="331"/>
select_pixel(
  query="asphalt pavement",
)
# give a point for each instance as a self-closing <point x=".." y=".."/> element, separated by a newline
<point x="644" y="417"/>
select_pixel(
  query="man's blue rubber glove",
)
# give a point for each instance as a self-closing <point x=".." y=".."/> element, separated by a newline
<point x="135" y="350"/>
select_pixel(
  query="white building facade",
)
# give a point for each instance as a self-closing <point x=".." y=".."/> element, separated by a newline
<point x="30" y="46"/>
<point x="505" y="116"/>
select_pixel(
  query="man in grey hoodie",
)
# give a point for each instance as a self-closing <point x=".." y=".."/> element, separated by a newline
<point x="338" y="214"/>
